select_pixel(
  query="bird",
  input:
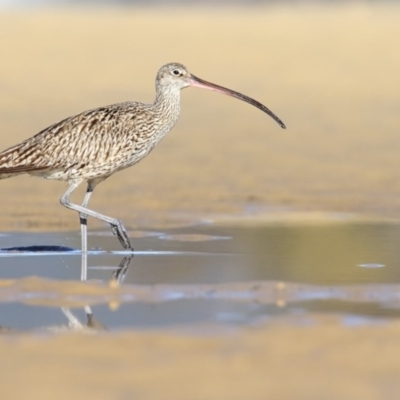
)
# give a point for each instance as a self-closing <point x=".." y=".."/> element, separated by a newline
<point x="91" y="146"/>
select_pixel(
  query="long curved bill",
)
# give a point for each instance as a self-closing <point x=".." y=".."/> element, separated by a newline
<point x="197" y="82"/>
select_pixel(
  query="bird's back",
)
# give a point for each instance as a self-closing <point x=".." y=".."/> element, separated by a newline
<point x="90" y="144"/>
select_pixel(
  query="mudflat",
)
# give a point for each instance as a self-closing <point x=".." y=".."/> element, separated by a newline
<point x="329" y="72"/>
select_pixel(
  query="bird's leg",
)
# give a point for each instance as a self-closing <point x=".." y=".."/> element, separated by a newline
<point x="116" y="225"/>
<point x="83" y="218"/>
<point x="83" y="222"/>
<point x="84" y="265"/>
<point x="119" y="230"/>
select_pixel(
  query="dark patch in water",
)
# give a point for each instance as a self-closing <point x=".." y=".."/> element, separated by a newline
<point x="36" y="249"/>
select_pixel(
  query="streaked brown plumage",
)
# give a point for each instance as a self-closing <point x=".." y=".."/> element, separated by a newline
<point x="91" y="146"/>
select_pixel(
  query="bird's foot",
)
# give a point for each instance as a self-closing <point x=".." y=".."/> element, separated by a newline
<point x="120" y="231"/>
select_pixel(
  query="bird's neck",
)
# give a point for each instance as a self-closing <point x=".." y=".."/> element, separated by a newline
<point x="168" y="105"/>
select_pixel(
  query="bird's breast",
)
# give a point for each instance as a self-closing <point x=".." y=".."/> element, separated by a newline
<point x="143" y="142"/>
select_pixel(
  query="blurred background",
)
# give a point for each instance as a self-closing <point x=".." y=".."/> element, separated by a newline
<point x="329" y="70"/>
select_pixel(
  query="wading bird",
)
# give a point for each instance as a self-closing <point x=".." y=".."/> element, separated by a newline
<point x="91" y="146"/>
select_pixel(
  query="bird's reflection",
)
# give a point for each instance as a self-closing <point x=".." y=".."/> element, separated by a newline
<point x="120" y="273"/>
<point x="73" y="323"/>
<point x="118" y="277"/>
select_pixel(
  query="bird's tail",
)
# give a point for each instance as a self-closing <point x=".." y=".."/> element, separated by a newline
<point x="15" y="161"/>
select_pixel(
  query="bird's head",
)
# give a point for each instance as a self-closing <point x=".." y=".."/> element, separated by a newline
<point x="175" y="76"/>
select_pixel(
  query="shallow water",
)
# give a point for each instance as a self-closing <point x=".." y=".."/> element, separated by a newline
<point x="227" y="275"/>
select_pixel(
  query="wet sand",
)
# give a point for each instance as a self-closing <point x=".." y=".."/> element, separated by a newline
<point x="280" y="361"/>
<point x="329" y="73"/>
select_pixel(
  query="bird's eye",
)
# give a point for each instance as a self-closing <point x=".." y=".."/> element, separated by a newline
<point x="176" y="72"/>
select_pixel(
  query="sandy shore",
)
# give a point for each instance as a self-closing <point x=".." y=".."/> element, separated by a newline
<point x="322" y="360"/>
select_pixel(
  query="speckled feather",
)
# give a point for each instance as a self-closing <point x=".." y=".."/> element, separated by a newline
<point x="95" y="144"/>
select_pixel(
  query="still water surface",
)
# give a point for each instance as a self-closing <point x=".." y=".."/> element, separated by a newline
<point x="347" y="268"/>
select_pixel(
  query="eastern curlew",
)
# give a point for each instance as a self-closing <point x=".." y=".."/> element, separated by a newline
<point x="91" y="146"/>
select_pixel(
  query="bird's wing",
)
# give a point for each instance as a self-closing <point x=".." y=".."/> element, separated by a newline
<point x="85" y="138"/>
